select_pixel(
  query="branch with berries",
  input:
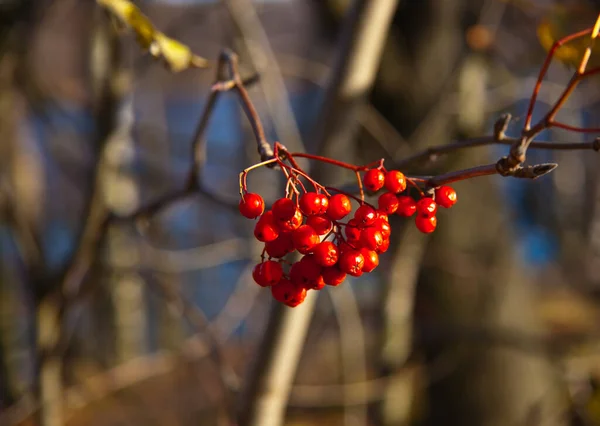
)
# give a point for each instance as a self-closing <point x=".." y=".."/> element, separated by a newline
<point x="314" y="220"/>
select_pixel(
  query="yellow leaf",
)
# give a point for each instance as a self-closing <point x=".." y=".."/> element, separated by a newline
<point x="177" y="55"/>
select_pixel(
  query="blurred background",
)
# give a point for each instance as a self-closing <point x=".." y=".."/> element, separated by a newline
<point x="492" y="320"/>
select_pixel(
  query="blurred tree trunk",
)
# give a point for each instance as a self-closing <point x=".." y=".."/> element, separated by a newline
<point x="472" y="284"/>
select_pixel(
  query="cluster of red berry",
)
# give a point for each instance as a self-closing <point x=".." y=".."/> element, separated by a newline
<point x="311" y="224"/>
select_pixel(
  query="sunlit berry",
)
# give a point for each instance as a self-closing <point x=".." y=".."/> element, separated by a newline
<point x="383" y="227"/>
<point x="395" y="181"/>
<point x="326" y="253"/>
<point x="371" y="238"/>
<point x="284" y="209"/>
<point x="251" y="205"/>
<point x="267" y="273"/>
<point x="385" y="245"/>
<point x="371" y="259"/>
<point x="426" y="207"/>
<point x="352" y="232"/>
<point x="365" y="216"/>
<point x="388" y="202"/>
<point x="426" y="224"/>
<point x="445" y="196"/>
<point x="288" y="293"/>
<point x="310" y="203"/>
<point x="321" y="224"/>
<point x="333" y="276"/>
<point x="374" y="180"/>
<point x="351" y="262"/>
<point x="406" y="206"/>
<point x="305" y="239"/>
<point x="292" y="223"/>
<point x="280" y="246"/>
<point x="339" y="207"/>
<point x="266" y="229"/>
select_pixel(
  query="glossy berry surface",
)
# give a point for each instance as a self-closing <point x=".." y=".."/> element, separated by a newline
<point x="395" y="181"/>
<point x="339" y="207"/>
<point x="365" y="215"/>
<point x="310" y="203"/>
<point x="333" y="276"/>
<point x="374" y="180"/>
<point x="267" y="273"/>
<point x="305" y="239"/>
<point x="284" y="209"/>
<point x="426" y="224"/>
<point x="426" y="207"/>
<point x="266" y="229"/>
<point x="388" y="203"/>
<point x="281" y="246"/>
<point x="371" y="238"/>
<point x="321" y="224"/>
<point x="406" y="206"/>
<point x="371" y="259"/>
<point x="251" y="205"/>
<point x="351" y="262"/>
<point x="445" y="196"/>
<point x="326" y="253"/>
<point x="288" y="293"/>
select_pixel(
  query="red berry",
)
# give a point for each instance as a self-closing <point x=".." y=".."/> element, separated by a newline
<point x="351" y="262"/>
<point x="310" y="203"/>
<point x="251" y="205"/>
<point x="333" y="276"/>
<point x="426" y="224"/>
<point x="406" y="206"/>
<point x="281" y="246"/>
<point x="384" y="246"/>
<point x="321" y="224"/>
<point x="326" y="253"/>
<point x="371" y="238"/>
<point x="365" y="216"/>
<point x="324" y="203"/>
<point x="382" y="215"/>
<point x="374" y="180"/>
<point x="267" y="273"/>
<point x="305" y="239"/>
<point x="284" y="209"/>
<point x="426" y="207"/>
<point x="445" y="196"/>
<point x="290" y="224"/>
<point x="339" y="207"/>
<point x="352" y="232"/>
<point x="286" y="292"/>
<point x="306" y="273"/>
<point x="395" y="181"/>
<point x="383" y="227"/>
<point x="371" y="259"/>
<point x="388" y="202"/>
<point x="266" y="229"/>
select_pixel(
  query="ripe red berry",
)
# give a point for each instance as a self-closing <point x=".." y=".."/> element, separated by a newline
<point x="352" y="232"/>
<point x="290" y="224"/>
<point x="251" y="205"/>
<point x="306" y="273"/>
<point x="266" y="229"/>
<point x="426" y="207"/>
<point x="281" y="246"/>
<point x="333" y="276"/>
<point x="365" y="216"/>
<point x="326" y="253"/>
<point x="371" y="238"/>
<point x="284" y="209"/>
<point x="339" y="207"/>
<point x="267" y="273"/>
<point x="288" y="293"/>
<point x="406" y="206"/>
<point x="321" y="224"/>
<point x="351" y="262"/>
<point x="382" y="215"/>
<point x="374" y="180"/>
<point x="426" y="224"/>
<point x="388" y="202"/>
<point x="445" y="196"/>
<point x="383" y="227"/>
<point x="384" y="246"/>
<point x="324" y="203"/>
<point x="371" y="259"/>
<point x="395" y="181"/>
<point x="305" y="239"/>
<point x="310" y="203"/>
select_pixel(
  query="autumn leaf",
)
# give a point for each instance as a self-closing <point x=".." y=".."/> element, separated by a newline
<point x="176" y="55"/>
